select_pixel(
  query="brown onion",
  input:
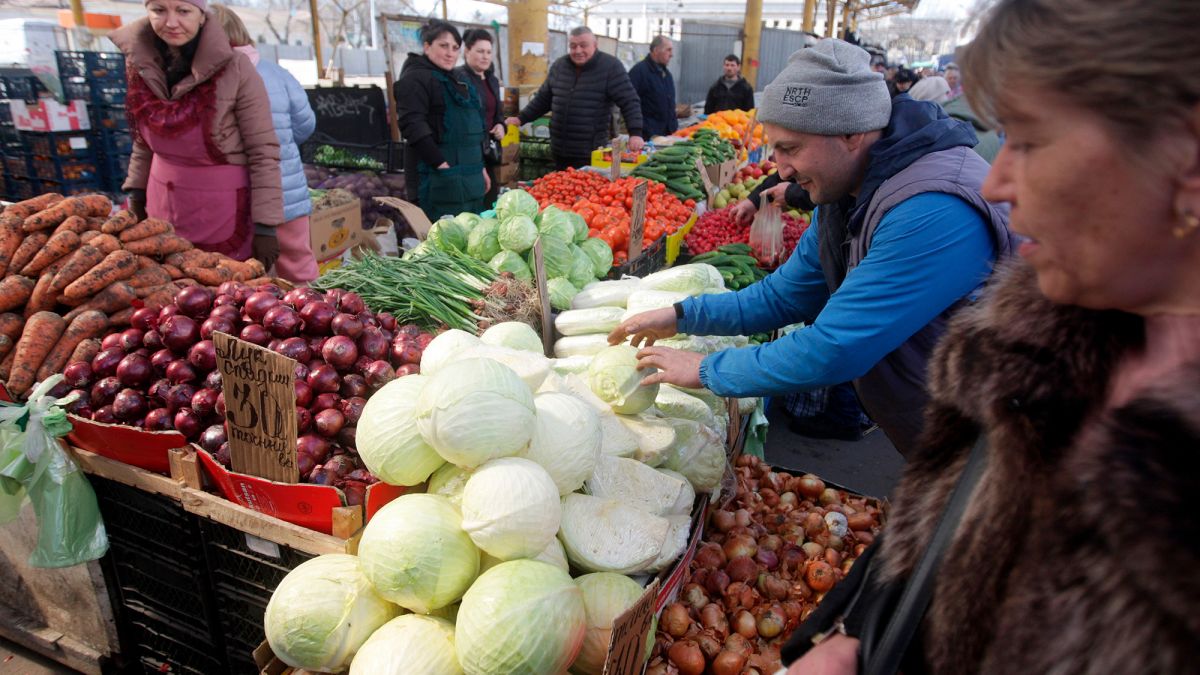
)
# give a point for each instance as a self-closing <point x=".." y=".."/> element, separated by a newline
<point x="860" y="521"/>
<point x="788" y="499"/>
<point x="819" y="576"/>
<point x="745" y="625"/>
<point x="710" y="555"/>
<point x="810" y="486"/>
<point x="740" y="545"/>
<point x="723" y="520"/>
<point x="830" y="496"/>
<point x="695" y="596"/>
<point x="771" y="621"/>
<point x="728" y="663"/>
<point x="812" y="550"/>
<point x="687" y="657"/>
<point x="773" y="587"/>
<point x="717" y="582"/>
<point x="675" y="620"/>
<point x="739" y="645"/>
<point x="713" y="618"/>
<point x="709" y="644"/>
<point x="741" y="568"/>
<point x="743" y="517"/>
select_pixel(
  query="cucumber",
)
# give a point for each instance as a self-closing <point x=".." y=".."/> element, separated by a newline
<point x="736" y="249"/>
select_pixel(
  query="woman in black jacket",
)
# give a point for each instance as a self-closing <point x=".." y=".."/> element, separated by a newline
<point x="479" y="72"/>
<point x="439" y="119"/>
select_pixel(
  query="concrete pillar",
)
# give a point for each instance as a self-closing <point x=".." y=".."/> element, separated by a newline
<point x="528" y="21"/>
<point x="750" y="48"/>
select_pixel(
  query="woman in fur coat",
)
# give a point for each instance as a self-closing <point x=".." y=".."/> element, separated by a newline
<point x="1079" y="548"/>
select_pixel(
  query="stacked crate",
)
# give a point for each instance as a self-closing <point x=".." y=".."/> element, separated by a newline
<point x="18" y="180"/>
<point x="99" y="79"/>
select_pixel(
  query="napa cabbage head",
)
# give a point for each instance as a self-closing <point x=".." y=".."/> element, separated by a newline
<point x="323" y="611"/>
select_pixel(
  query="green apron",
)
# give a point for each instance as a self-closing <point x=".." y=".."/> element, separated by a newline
<point x="460" y="187"/>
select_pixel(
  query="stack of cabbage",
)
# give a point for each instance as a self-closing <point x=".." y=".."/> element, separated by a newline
<point x="572" y="259"/>
<point x="531" y="474"/>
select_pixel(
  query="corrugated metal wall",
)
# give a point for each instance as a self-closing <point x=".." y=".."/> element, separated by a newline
<point x="700" y="55"/>
<point x="777" y="45"/>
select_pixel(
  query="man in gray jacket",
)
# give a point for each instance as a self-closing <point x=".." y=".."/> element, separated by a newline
<point x="580" y="90"/>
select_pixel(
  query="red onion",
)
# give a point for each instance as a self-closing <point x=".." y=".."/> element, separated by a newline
<point x="325" y="402"/>
<point x="282" y="321"/>
<point x="352" y="408"/>
<point x="105" y="362"/>
<point x="214" y="324"/>
<point x="361" y="365"/>
<point x="221" y="404"/>
<point x="78" y="374"/>
<point x="255" y="334"/>
<point x="386" y="320"/>
<point x="158" y="391"/>
<point x="223" y="300"/>
<point x="273" y="345"/>
<point x="340" y="352"/>
<point x="232" y="288"/>
<point x="204" y="402"/>
<point x="258" y="303"/>
<point x="180" y="371"/>
<point x="159" y="419"/>
<point x="130" y="339"/>
<point x="410" y="329"/>
<point x="304" y="393"/>
<point x="134" y="370"/>
<point x="299" y="297"/>
<point x="348" y="325"/>
<point x="194" y="301"/>
<point x="334" y="295"/>
<point x="179" y="333"/>
<point x="301" y="372"/>
<point x="303" y="421"/>
<point x="423" y="340"/>
<point x="408" y="369"/>
<point x="180" y="396"/>
<point x="329" y="422"/>
<point x="112" y="341"/>
<point x="354" y="385"/>
<point x="295" y="348"/>
<point x="351" y="303"/>
<point x="314" y="446"/>
<point x="203" y="356"/>
<point x="105" y="390"/>
<point x="167" y="312"/>
<point x="315" y="344"/>
<point x="213" y="380"/>
<point x="152" y="340"/>
<point x="187" y="422"/>
<point x="161" y="359"/>
<point x="129" y="404"/>
<point x="318" y="317"/>
<point x="144" y="319"/>
<point x="355" y="491"/>
<point x="348" y="437"/>
<point x="104" y="414"/>
<point x="371" y="343"/>
<point x="324" y="378"/>
<point x="405" y="351"/>
<point x="378" y="374"/>
<point x="213" y="437"/>
<point x="222" y="455"/>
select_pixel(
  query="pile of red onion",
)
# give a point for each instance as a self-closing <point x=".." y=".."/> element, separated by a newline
<point x="766" y="561"/>
<point x="160" y="374"/>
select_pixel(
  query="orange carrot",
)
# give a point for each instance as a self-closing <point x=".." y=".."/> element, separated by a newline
<point x="146" y="262"/>
<point x="83" y="327"/>
<point x="11" y="237"/>
<point x="147" y="228"/>
<point x="116" y="266"/>
<point x="174" y="271"/>
<point x="122" y="317"/>
<point x="43" y="297"/>
<point x="161" y="298"/>
<point x="151" y="276"/>
<point x="31" y="206"/>
<point x="14" y="291"/>
<point x="118" y="222"/>
<point x="77" y="224"/>
<point x="42" y="331"/>
<point x="210" y="276"/>
<point x="51" y="217"/>
<point x="85" y="351"/>
<point x="58" y="246"/>
<point x="10" y="329"/>
<point x="159" y="245"/>
<point x="97" y="205"/>
<point x="7" y="363"/>
<point x="116" y="297"/>
<point x="81" y="261"/>
<point x="178" y="259"/>
<point x="28" y="248"/>
<point x="254" y="283"/>
<point x="106" y="243"/>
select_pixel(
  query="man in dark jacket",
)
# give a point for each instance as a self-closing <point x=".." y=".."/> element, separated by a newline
<point x="580" y="90"/>
<point x="656" y="88"/>
<point x="732" y="91"/>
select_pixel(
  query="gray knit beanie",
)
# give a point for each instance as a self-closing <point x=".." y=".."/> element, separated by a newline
<point x="828" y="89"/>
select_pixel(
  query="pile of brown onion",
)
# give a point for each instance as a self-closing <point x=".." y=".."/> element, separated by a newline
<point x="768" y="557"/>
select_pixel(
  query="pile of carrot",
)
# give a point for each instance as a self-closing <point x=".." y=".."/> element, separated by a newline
<point x="70" y="270"/>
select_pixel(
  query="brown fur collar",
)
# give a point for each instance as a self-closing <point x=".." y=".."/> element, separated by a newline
<point x="1080" y="547"/>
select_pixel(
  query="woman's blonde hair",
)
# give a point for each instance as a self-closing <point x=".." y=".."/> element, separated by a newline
<point x="232" y="23"/>
<point x="1134" y="62"/>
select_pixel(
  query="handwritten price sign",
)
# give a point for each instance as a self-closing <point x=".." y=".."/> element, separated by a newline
<point x="260" y="408"/>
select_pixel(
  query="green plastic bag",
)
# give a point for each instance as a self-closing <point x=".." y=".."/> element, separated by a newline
<point x="34" y="465"/>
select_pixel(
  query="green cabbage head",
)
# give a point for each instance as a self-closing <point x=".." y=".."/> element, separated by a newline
<point x="412" y="643"/>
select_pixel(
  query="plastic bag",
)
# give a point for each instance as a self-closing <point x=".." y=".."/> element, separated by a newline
<point x="34" y="465"/>
<point x="766" y="235"/>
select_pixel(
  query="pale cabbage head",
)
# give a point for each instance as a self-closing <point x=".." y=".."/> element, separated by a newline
<point x="600" y="254"/>
<point x="615" y="378"/>
<point x="616" y="440"/>
<point x="656" y="437"/>
<point x="699" y="455"/>
<point x="553" y="222"/>
<point x="483" y="243"/>
<point x="388" y="440"/>
<point x="561" y="291"/>
<point x="522" y="617"/>
<point x="516" y="203"/>
<point x="607" y="535"/>
<point x="517" y="233"/>
<point x="514" y="335"/>
<point x="674" y="544"/>
<point x="675" y="403"/>
<point x="510" y="508"/>
<point x="444" y="348"/>
<point x="567" y="439"/>
<point x="448" y="481"/>
<point x="635" y="484"/>
<point x="409" y="644"/>
<point x="687" y="498"/>
<point x="582" y="272"/>
<point x="474" y="410"/>
<point x="416" y="554"/>
<point x="322" y="612"/>
<point x="606" y="596"/>
<point x="531" y="367"/>
<point x="513" y="263"/>
<point x="552" y="554"/>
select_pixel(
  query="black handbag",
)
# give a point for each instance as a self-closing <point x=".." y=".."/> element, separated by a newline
<point x="885" y="616"/>
<point x="491" y="151"/>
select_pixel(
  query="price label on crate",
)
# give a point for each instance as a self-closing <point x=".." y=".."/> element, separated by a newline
<point x="260" y="407"/>
<point x="618" y="151"/>
<point x="710" y="190"/>
<point x="627" y="644"/>
<point x="637" y="221"/>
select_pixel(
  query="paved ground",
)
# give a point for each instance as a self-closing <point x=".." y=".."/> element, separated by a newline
<point x="16" y="660"/>
<point x="870" y="466"/>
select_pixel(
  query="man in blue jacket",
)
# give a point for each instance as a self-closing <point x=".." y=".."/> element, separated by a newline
<point x="901" y="239"/>
<point x="656" y="88"/>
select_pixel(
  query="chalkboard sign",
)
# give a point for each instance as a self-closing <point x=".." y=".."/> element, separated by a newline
<point x="354" y="115"/>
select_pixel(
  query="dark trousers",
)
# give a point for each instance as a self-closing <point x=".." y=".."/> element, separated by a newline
<point x="564" y="163"/>
<point x="489" y="199"/>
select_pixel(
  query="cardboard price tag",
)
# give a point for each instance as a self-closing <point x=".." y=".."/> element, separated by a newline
<point x="618" y="151"/>
<point x="710" y="189"/>
<point x="260" y="407"/>
<point x="539" y="275"/>
<point x="637" y="220"/>
<point x="627" y="645"/>
<point x="749" y="133"/>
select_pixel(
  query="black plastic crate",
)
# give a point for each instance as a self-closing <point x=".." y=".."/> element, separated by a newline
<point x="162" y="648"/>
<point x="95" y="65"/>
<point x="386" y="157"/>
<point x="113" y="170"/>
<point x="59" y="144"/>
<point x="150" y="584"/>
<point x="5" y="113"/>
<point x="65" y="169"/>
<point x="652" y="259"/>
<point x="76" y="89"/>
<point x="73" y="187"/>
<point x="148" y="522"/>
<point x="22" y="188"/>
<point x="17" y="166"/>
<point x="114" y="141"/>
<point x="110" y="92"/>
<point x="241" y="618"/>
<point x="108" y="117"/>
<point x="24" y="87"/>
